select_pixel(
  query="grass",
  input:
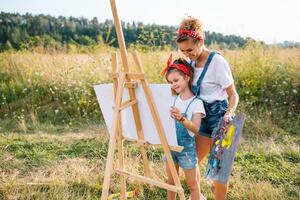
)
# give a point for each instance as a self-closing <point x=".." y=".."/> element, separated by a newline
<point x="71" y="165"/>
<point x="53" y="142"/>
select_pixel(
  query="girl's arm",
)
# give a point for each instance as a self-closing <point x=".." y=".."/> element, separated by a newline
<point x="193" y="125"/>
<point x="233" y="98"/>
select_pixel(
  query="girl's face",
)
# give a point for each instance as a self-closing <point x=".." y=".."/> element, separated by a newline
<point x="178" y="81"/>
<point x="190" y="49"/>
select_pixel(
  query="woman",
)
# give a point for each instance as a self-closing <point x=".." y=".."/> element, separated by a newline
<point x="213" y="82"/>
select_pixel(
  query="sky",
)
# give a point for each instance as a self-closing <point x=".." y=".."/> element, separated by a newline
<point x="265" y="20"/>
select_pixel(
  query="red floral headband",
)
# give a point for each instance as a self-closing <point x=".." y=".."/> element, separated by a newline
<point x="177" y="66"/>
<point x="193" y="34"/>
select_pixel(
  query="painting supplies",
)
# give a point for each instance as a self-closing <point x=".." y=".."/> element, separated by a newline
<point x="225" y="140"/>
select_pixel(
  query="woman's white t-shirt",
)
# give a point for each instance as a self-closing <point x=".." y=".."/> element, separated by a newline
<point x="217" y="78"/>
<point x="195" y="107"/>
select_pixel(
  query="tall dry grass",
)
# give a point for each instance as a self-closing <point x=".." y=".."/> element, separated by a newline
<point x="44" y="91"/>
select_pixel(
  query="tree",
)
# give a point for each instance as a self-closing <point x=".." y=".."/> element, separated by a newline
<point x="23" y="31"/>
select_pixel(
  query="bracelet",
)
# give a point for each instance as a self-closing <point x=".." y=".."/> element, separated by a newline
<point x="181" y="119"/>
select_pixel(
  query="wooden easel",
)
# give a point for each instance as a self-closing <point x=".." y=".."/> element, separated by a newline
<point x="129" y="80"/>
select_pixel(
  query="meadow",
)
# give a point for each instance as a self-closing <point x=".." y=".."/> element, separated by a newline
<point x="53" y="140"/>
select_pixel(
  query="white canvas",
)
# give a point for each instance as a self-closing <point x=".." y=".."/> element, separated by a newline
<point x="162" y="99"/>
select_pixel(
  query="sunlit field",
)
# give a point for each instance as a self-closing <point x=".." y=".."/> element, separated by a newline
<point x="53" y="140"/>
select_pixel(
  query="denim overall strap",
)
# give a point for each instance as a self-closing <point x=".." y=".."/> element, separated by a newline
<point x="189" y="105"/>
<point x="209" y="59"/>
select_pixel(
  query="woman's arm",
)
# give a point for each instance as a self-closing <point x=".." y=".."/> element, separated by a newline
<point x="233" y="99"/>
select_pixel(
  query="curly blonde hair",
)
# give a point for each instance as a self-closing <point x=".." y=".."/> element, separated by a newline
<point x="192" y="24"/>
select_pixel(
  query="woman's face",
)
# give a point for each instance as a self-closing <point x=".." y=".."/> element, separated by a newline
<point x="190" y="49"/>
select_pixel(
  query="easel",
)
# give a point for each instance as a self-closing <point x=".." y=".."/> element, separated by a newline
<point x="129" y="80"/>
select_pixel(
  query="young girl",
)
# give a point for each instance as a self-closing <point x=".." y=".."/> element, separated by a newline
<point x="187" y="110"/>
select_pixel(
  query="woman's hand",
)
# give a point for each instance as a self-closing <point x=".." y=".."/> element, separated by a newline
<point x="233" y="98"/>
<point x="229" y="115"/>
<point x="175" y="113"/>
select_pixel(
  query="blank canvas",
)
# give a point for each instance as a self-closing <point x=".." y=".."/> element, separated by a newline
<point x="162" y="99"/>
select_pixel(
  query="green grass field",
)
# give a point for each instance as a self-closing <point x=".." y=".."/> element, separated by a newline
<point x="53" y="141"/>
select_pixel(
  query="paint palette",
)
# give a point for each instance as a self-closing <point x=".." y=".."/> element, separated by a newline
<point x="225" y="141"/>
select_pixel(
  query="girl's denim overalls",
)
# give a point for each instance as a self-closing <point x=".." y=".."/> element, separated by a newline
<point x="187" y="158"/>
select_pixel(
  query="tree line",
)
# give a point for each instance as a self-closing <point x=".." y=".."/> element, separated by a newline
<point x="28" y="31"/>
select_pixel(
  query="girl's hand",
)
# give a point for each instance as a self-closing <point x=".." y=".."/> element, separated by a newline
<point x="175" y="113"/>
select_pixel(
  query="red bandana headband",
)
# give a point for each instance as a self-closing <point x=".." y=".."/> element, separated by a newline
<point x="193" y="34"/>
<point x="177" y="66"/>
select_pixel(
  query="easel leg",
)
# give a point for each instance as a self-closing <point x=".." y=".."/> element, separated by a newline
<point x="115" y="68"/>
<point x="108" y="169"/>
<point x="112" y="141"/>
<point x="121" y="165"/>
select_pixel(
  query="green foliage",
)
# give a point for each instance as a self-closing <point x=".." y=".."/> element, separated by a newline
<point x="85" y="40"/>
<point x="273" y="168"/>
<point x="30" y="96"/>
<point x="23" y="32"/>
<point x="225" y="42"/>
<point x="266" y="84"/>
<point x="34" y="154"/>
<point x="44" y="41"/>
<point x="35" y="94"/>
<point x="7" y="46"/>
